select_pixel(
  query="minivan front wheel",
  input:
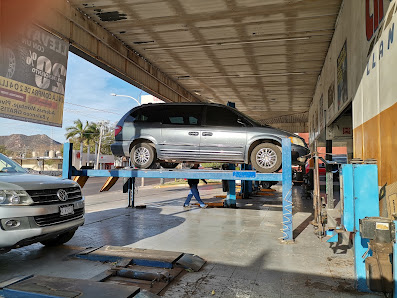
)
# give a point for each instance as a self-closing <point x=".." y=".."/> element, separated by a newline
<point x="266" y="158"/>
<point x="142" y="155"/>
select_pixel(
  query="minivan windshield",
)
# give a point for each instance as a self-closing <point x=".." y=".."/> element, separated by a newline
<point x="9" y="166"/>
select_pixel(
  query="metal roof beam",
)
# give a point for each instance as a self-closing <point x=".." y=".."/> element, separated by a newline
<point x="91" y="41"/>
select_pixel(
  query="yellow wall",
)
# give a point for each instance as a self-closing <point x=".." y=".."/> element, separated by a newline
<point x="371" y="68"/>
<point x="377" y="138"/>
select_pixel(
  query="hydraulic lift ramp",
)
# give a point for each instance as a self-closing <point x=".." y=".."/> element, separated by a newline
<point x="141" y="273"/>
<point x="230" y="175"/>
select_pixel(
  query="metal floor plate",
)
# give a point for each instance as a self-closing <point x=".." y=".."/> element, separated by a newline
<point x="47" y="286"/>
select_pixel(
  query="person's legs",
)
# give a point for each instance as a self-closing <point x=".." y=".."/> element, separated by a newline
<point x="196" y="194"/>
<point x="189" y="197"/>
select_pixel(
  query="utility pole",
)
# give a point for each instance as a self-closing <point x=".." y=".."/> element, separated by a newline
<point x="99" y="146"/>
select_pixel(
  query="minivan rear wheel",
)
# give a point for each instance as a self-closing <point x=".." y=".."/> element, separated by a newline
<point x="266" y="158"/>
<point x="142" y="155"/>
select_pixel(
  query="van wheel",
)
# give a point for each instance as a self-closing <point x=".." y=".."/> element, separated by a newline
<point x="59" y="240"/>
<point x="142" y="155"/>
<point x="266" y="158"/>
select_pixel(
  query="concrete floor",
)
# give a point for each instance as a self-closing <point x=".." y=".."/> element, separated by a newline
<point x="245" y="257"/>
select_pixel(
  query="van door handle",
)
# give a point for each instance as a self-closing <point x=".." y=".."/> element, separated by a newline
<point x="207" y="134"/>
<point x="193" y="133"/>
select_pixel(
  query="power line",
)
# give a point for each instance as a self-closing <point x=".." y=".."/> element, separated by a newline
<point x="90" y="108"/>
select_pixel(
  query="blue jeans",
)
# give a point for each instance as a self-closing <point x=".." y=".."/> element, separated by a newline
<point x="193" y="192"/>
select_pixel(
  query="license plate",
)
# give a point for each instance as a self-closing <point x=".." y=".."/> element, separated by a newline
<point x="66" y="210"/>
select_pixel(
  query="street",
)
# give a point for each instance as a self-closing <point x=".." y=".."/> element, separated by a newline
<point x="94" y="184"/>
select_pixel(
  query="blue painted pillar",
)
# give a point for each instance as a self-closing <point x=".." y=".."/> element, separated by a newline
<point x="366" y="203"/>
<point x="231" y="194"/>
<point x="246" y="185"/>
<point x="67" y="160"/>
<point x="395" y="262"/>
<point x="287" y="190"/>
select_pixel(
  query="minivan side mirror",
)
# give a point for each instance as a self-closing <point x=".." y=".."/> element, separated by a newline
<point x="239" y="121"/>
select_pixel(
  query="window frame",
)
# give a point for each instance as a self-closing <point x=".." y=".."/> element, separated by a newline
<point x="186" y="116"/>
<point x="232" y="110"/>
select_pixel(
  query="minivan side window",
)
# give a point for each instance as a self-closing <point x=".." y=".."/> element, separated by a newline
<point x="182" y="115"/>
<point x="218" y="116"/>
<point x="148" y="114"/>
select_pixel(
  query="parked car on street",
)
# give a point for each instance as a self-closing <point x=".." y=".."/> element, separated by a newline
<point x="200" y="132"/>
<point x="36" y="208"/>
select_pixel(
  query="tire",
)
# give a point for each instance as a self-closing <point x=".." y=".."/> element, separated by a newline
<point x="169" y="165"/>
<point x="266" y="184"/>
<point x="60" y="239"/>
<point x="266" y="158"/>
<point x="142" y="155"/>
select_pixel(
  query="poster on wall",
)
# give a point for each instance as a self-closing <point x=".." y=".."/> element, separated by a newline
<point x="32" y="77"/>
<point x="342" y="76"/>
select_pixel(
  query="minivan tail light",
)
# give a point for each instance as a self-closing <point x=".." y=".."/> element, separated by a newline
<point x="117" y="130"/>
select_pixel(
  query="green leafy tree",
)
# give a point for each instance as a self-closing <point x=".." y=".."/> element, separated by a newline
<point x="89" y="135"/>
<point x="78" y="132"/>
<point x="107" y="139"/>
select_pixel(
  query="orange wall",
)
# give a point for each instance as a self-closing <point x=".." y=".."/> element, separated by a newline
<point x="377" y="138"/>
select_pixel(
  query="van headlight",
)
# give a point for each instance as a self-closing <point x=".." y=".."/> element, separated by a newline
<point x="15" y="198"/>
<point x="297" y="141"/>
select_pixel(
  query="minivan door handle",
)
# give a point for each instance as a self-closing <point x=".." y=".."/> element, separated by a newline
<point x="193" y="133"/>
<point x="207" y="134"/>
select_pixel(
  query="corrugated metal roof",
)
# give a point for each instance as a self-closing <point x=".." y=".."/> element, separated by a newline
<point x="263" y="55"/>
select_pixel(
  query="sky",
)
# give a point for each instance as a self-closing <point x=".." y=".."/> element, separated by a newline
<point x="86" y="85"/>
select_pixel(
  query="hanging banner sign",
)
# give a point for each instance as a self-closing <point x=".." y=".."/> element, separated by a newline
<point x="32" y="78"/>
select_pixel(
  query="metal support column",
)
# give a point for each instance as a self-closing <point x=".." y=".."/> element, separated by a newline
<point x="256" y="186"/>
<point x="360" y="200"/>
<point x="395" y="263"/>
<point x="246" y="185"/>
<point x="329" y="177"/>
<point x="287" y="191"/>
<point x="231" y="194"/>
<point x="67" y="160"/>
<point x="131" y="192"/>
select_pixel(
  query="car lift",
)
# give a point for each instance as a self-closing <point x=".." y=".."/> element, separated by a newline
<point x="137" y="272"/>
<point x="231" y="175"/>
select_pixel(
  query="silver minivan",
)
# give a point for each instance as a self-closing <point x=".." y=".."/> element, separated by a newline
<point x="200" y="132"/>
<point x="36" y="208"/>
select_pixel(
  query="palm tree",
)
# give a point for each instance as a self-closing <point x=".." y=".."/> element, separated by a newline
<point x="92" y="135"/>
<point x="77" y="131"/>
<point x="82" y="133"/>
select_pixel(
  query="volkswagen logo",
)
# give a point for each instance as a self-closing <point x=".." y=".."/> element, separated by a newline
<point x="62" y="195"/>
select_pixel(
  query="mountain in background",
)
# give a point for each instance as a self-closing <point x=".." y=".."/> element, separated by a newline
<point x="21" y="144"/>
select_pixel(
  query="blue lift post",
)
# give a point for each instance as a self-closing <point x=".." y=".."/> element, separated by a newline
<point x="360" y="200"/>
<point x="395" y="262"/>
<point x="246" y="186"/>
<point x="231" y="175"/>
<point x="231" y="193"/>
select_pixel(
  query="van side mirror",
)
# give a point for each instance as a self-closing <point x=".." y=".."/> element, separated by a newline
<point x="239" y="121"/>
